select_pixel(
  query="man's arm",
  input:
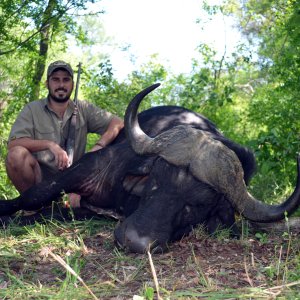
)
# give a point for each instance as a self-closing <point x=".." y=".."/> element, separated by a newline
<point x="113" y="129"/>
<point x="61" y="157"/>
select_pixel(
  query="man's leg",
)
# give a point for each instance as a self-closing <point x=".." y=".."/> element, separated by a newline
<point x="22" y="168"/>
<point x="24" y="171"/>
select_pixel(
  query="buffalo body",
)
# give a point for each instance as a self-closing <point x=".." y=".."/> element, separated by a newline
<point x="159" y="201"/>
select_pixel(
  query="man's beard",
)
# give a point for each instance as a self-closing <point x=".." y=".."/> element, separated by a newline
<point x="60" y="99"/>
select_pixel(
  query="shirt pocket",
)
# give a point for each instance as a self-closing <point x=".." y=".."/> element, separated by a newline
<point x="46" y="133"/>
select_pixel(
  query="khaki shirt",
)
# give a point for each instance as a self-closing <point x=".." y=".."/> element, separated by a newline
<point x="37" y="121"/>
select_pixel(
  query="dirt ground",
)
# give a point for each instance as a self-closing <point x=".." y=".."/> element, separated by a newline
<point x="198" y="262"/>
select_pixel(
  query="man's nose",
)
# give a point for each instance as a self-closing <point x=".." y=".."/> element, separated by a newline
<point x="61" y="83"/>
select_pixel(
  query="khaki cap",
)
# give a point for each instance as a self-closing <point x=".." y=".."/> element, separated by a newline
<point x="59" y="64"/>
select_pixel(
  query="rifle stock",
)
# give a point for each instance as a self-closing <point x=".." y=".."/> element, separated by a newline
<point x="70" y="144"/>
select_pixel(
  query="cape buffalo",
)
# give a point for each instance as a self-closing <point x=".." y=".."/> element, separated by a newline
<point x="182" y="172"/>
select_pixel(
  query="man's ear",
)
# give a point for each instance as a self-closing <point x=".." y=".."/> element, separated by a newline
<point x="46" y="84"/>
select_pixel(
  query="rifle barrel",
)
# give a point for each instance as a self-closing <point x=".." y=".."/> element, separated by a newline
<point x="77" y="83"/>
<point x="70" y="143"/>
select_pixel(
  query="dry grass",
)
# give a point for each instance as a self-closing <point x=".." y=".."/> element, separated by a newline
<point x="79" y="260"/>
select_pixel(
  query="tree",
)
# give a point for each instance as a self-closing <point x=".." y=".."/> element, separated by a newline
<point x="29" y="30"/>
<point x="30" y="26"/>
<point x="275" y="27"/>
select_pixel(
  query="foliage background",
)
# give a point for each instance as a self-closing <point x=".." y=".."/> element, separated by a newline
<point x="251" y="94"/>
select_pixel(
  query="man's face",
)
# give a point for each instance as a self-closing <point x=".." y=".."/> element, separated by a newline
<point x="60" y="86"/>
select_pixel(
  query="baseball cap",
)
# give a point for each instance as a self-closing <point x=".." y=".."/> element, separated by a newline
<point x="59" y="64"/>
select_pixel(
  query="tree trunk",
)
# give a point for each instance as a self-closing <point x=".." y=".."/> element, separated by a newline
<point x="45" y="31"/>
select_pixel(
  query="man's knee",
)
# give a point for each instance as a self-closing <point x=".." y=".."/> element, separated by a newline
<point x="22" y="168"/>
<point x="19" y="158"/>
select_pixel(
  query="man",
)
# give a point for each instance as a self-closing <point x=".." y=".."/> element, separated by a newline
<point x="37" y="141"/>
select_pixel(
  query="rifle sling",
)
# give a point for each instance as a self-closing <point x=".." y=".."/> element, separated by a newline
<point x="70" y="144"/>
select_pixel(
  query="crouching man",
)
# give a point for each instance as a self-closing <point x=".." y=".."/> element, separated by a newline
<point x="37" y="141"/>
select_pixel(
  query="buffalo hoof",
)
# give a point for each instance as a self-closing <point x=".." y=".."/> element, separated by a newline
<point x="128" y="239"/>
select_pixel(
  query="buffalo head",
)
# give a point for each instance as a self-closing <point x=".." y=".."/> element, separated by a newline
<point x="204" y="158"/>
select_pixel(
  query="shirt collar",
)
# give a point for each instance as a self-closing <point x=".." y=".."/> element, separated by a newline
<point x="69" y="111"/>
<point x="71" y="105"/>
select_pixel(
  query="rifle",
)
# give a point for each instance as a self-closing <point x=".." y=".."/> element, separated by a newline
<point x="70" y="143"/>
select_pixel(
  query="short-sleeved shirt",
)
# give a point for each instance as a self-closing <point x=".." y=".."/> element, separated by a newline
<point x="37" y="121"/>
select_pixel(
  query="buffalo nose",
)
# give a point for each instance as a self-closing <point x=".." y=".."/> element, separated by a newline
<point x="128" y="239"/>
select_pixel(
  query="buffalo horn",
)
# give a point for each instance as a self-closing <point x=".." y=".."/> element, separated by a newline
<point x="209" y="160"/>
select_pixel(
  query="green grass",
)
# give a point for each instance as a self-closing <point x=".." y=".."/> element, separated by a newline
<point x="78" y="260"/>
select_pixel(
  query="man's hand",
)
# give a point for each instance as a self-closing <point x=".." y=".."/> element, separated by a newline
<point x="61" y="156"/>
<point x="73" y="201"/>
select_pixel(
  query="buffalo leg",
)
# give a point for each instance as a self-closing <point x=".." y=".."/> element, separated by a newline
<point x="42" y="194"/>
